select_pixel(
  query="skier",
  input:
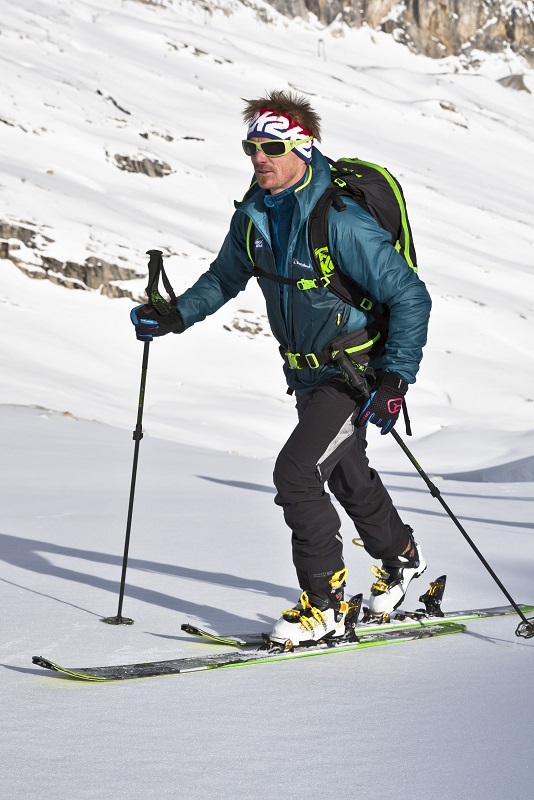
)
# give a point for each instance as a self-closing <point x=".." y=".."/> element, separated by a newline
<point x="328" y="444"/>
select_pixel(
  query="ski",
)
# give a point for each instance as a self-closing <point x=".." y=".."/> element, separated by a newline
<point x="179" y="666"/>
<point x="232" y="641"/>
<point x="402" y="621"/>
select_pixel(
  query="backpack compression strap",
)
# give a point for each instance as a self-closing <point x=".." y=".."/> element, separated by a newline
<point x="398" y="226"/>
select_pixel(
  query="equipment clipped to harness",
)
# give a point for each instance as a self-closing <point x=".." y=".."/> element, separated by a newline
<point x="352" y="353"/>
<point x="356" y="346"/>
<point x="356" y="349"/>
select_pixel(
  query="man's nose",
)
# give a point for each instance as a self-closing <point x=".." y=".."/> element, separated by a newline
<point x="259" y="158"/>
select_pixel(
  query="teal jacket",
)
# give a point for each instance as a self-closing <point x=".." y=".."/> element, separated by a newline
<point x="306" y="321"/>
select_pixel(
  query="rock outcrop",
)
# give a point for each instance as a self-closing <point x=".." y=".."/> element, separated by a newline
<point x="436" y="28"/>
<point x="25" y="246"/>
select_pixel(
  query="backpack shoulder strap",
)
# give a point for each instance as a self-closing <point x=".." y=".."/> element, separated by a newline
<point x="340" y="284"/>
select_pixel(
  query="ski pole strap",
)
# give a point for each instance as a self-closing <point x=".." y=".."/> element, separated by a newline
<point x="155" y="270"/>
<point x="407" y="423"/>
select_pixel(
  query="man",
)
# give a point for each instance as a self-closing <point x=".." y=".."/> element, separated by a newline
<point x="268" y="232"/>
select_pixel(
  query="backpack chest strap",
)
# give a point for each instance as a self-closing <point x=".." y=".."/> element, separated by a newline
<point x="303" y="284"/>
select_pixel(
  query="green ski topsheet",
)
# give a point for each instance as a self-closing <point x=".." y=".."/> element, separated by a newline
<point x="369" y="635"/>
<point x="250" y="639"/>
<point x="238" y="659"/>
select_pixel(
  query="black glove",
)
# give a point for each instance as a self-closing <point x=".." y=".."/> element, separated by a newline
<point x="385" y="404"/>
<point x="149" y="322"/>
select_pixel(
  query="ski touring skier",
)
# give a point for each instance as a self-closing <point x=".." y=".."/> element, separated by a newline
<point x="268" y="237"/>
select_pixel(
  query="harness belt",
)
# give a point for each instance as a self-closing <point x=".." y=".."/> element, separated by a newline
<point x="326" y="356"/>
<point x="306" y="360"/>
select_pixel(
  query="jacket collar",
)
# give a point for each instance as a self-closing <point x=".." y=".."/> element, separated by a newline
<point x="307" y="194"/>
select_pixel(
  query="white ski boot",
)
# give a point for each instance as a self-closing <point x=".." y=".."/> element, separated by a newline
<point x="314" y="617"/>
<point x="388" y="591"/>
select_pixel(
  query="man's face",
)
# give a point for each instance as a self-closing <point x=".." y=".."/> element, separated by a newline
<point x="277" y="174"/>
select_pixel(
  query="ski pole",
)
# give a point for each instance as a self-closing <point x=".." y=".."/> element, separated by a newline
<point x="526" y="627"/>
<point x="137" y="436"/>
<point x="358" y="382"/>
<point x="154" y="299"/>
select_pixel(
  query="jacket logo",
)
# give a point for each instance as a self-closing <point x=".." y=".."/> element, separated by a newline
<point x="325" y="262"/>
<point x="258" y="243"/>
<point x="300" y="264"/>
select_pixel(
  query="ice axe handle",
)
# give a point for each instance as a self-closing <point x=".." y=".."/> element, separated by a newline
<point x="356" y="378"/>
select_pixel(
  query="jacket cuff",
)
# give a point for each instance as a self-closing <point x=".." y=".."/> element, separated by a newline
<point x="395" y="381"/>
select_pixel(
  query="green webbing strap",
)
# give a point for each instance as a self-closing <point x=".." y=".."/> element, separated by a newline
<point x="305" y="361"/>
<point x="303" y="284"/>
<point x="314" y="360"/>
<point x="360" y="347"/>
<point x="249" y="241"/>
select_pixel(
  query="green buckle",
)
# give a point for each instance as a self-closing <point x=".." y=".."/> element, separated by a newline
<point x="306" y="283"/>
<point x="310" y="358"/>
<point x="312" y="361"/>
<point x="292" y="360"/>
<point x="366" y="304"/>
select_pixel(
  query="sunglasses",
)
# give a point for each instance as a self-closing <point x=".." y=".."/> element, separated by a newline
<point x="273" y="148"/>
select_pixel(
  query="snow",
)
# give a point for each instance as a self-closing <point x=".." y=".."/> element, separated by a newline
<point x="446" y="718"/>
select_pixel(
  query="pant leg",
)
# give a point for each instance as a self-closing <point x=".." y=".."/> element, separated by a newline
<point x="325" y="446"/>
<point x="360" y="491"/>
<point x="323" y="433"/>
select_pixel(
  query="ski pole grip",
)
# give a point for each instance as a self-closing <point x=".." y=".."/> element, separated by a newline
<point x="155" y="265"/>
<point x="356" y="378"/>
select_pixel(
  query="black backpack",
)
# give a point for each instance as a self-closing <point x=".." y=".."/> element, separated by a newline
<point x="380" y="194"/>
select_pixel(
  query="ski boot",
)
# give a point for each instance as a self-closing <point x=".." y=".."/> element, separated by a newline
<point x="388" y="591"/>
<point x="314" y="618"/>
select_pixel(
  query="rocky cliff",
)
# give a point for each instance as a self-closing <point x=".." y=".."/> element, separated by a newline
<point x="47" y="108"/>
<point x="436" y="28"/>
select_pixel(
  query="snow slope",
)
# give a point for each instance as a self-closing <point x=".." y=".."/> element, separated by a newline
<point x="82" y="82"/>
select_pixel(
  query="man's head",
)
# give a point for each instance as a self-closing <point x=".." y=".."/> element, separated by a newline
<point x="287" y="124"/>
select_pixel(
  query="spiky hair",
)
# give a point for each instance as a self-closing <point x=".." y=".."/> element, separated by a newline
<point x="290" y="103"/>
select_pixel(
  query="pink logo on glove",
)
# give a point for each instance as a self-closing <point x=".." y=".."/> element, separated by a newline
<point x="395" y="405"/>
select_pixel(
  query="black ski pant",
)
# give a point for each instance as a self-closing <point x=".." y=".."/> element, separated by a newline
<point x="326" y="447"/>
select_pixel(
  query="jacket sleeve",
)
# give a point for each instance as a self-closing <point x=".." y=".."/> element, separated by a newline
<point x="363" y="250"/>
<point x="227" y="276"/>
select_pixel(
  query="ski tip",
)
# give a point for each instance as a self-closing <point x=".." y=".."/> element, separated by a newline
<point x="40" y="661"/>
<point x="188" y="628"/>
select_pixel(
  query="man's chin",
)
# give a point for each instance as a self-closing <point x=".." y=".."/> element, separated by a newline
<point x="264" y="180"/>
